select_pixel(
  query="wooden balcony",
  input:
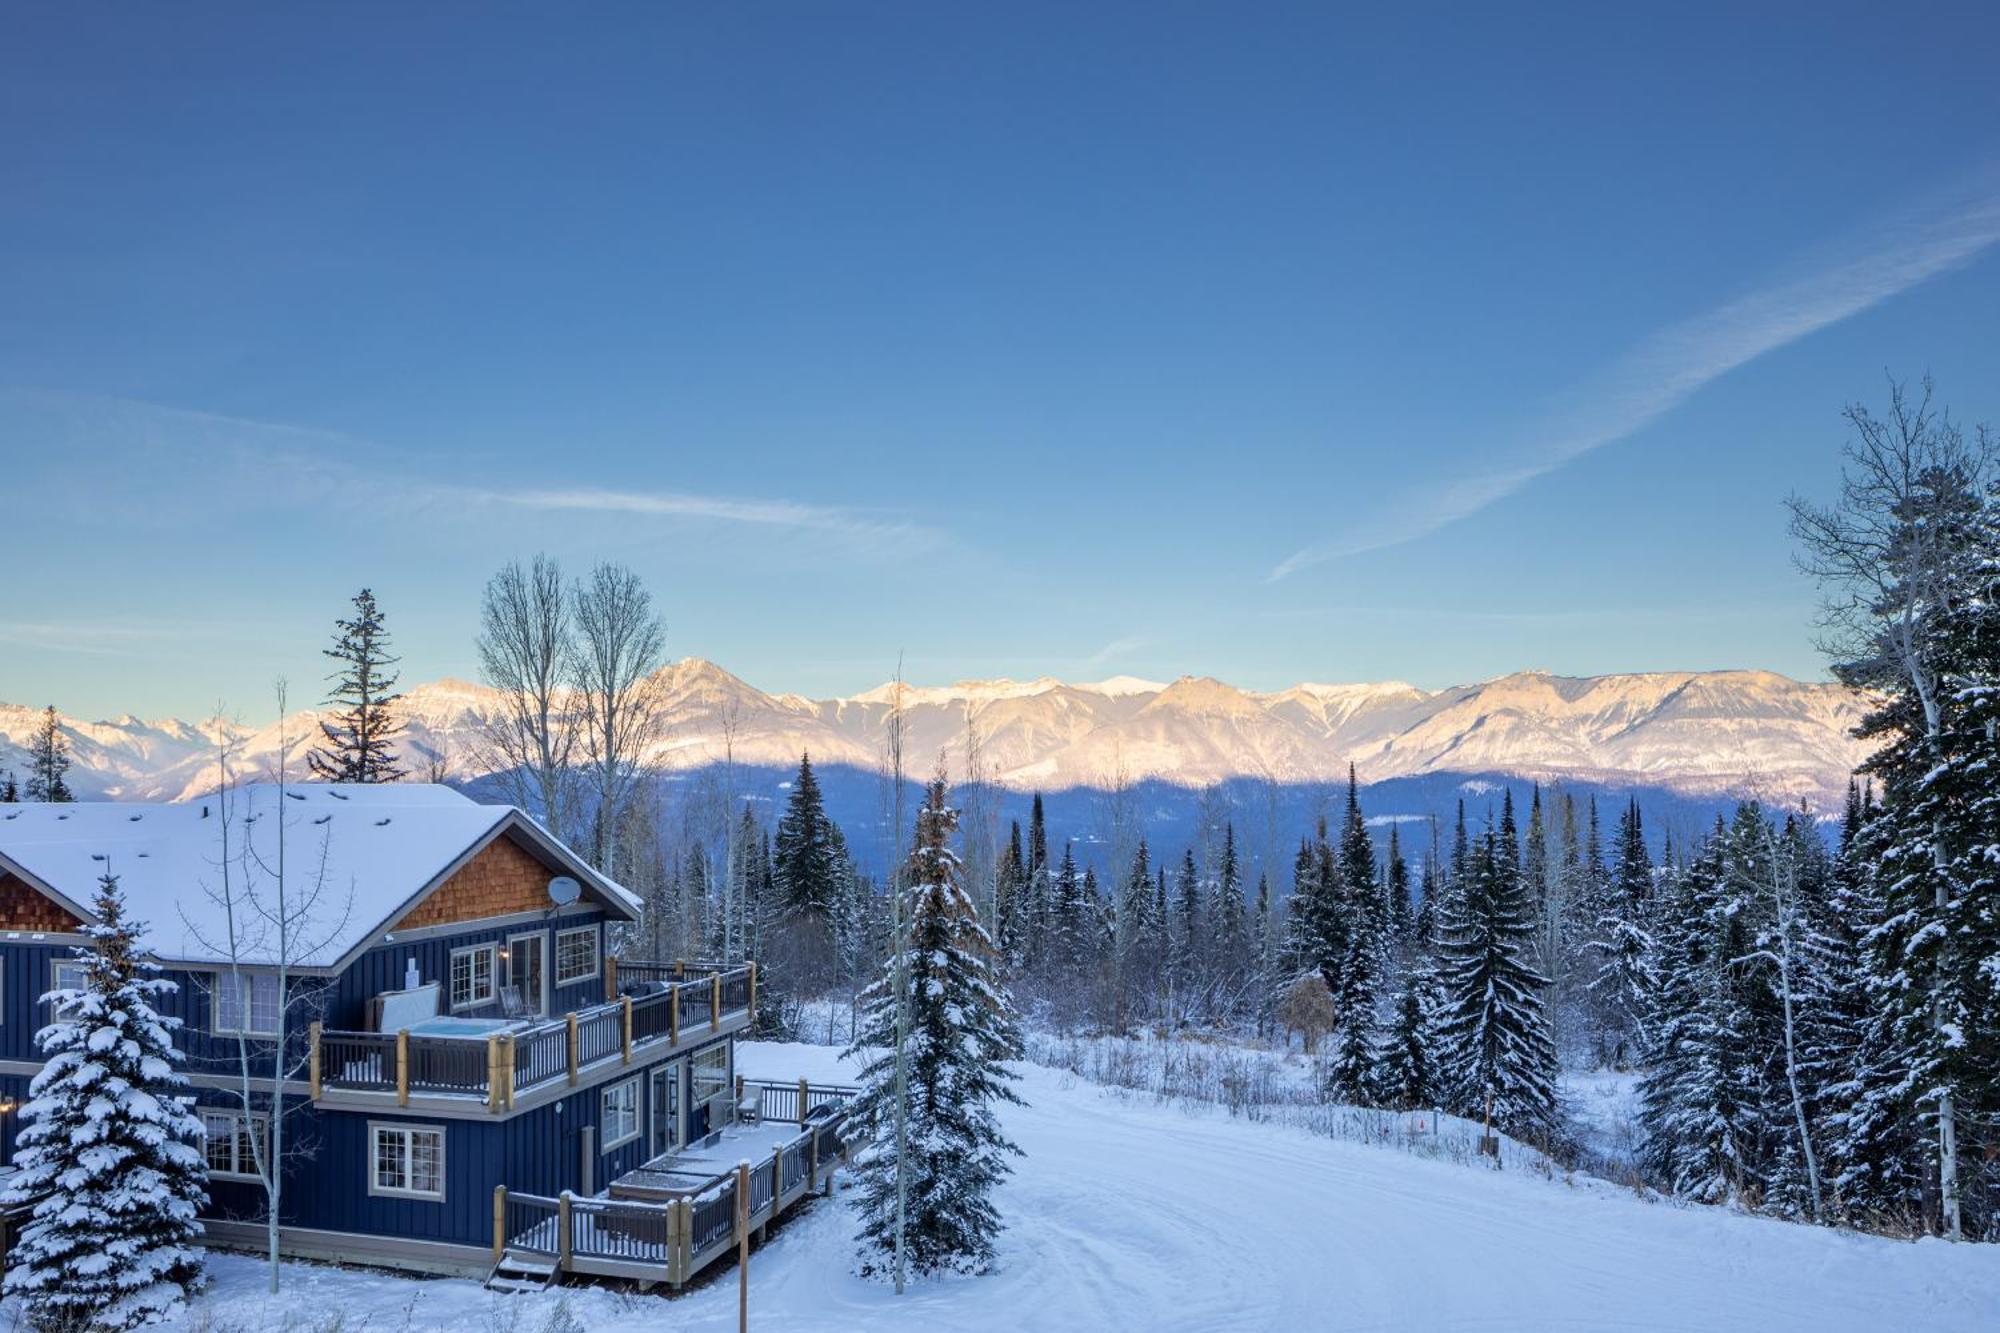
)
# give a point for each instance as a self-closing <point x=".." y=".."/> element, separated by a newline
<point x="681" y="1212"/>
<point x="662" y="1006"/>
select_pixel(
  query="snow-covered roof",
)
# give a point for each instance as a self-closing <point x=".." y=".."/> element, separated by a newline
<point x="369" y="851"/>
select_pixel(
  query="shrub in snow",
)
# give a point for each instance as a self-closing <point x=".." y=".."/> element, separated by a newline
<point x="960" y="1027"/>
<point x="110" y="1160"/>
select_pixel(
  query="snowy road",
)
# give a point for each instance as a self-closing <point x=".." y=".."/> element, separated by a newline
<point x="1128" y="1215"/>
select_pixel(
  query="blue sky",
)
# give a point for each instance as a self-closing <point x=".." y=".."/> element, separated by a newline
<point x="1269" y="343"/>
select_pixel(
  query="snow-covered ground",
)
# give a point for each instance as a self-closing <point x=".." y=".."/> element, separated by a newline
<point x="1131" y="1214"/>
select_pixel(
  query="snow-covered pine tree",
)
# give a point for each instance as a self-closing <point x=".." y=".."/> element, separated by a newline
<point x="1700" y="1100"/>
<point x="1230" y="948"/>
<point x="1905" y="554"/>
<point x="10" y="789"/>
<point x="1010" y="903"/>
<point x="1351" y="1076"/>
<point x="1141" y="938"/>
<point x="1396" y="879"/>
<point x="1621" y="943"/>
<point x="48" y="760"/>
<point x="961" y="1029"/>
<point x="1496" y="1051"/>
<point x="109" y="1157"/>
<point x="1187" y="966"/>
<point x="1406" y="1074"/>
<point x="357" y="743"/>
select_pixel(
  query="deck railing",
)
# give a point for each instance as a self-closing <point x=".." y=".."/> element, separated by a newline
<point x="670" y="1242"/>
<point x="508" y="1064"/>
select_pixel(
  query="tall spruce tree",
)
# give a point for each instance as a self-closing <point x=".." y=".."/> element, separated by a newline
<point x="48" y="761"/>
<point x="1405" y="1077"/>
<point x="1497" y="1054"/>
<point x="961" y="1030"/>
<point x="110" y="1160"/>
<point x="805" y="862"/>
<point x="357" y="742"/>
<point x="1621" y="943"/>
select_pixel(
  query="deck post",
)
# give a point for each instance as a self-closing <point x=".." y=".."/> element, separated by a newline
<point x="575" y="1047"/>
<point x="674" y="1015"/>
<point x="506" y="1085"/>
<point x="564" y="1249"/>
<point x="680" y="968"/>
<point x="684" y="1254"/>
<point x="493" y="1072"/>
<point x="753" y="995"/>
<point x="499" y="1222"/>
<point x="802" y="1101"/>
<point x="314" y="1030"/>
<point x="403" y="1067"/>
<point x="628" y="1029"/>
<point x="743" y="1247"/>
<point x="715" y="1002"/>
<point x="610" y="976"/>
<point x="777" y="1181"/>
<point x="812" y="1162"/>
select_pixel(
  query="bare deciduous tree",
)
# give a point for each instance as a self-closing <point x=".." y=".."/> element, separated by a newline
<point x="526" y="654"/>
<point x="619" y="646"/>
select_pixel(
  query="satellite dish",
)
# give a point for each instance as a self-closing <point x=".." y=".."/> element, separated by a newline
<point x="563" y="890"/>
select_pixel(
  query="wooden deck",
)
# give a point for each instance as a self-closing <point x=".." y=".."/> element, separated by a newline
<point x="679" y="1213"/>
<point x="676" y="1004"/>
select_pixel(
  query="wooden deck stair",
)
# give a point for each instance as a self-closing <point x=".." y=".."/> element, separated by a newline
<point x="520" y="1272"/>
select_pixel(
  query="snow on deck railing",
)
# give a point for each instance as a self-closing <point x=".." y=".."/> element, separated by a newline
<point x="506" y="1063"/>
<point x="668" y="1241"/>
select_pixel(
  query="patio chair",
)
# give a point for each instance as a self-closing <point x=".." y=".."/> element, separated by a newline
<point x="512" y="1005"/>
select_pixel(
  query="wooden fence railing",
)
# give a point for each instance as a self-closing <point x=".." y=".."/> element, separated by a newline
<point x="672" y="1241"/>
<point x="507" y="1064"/>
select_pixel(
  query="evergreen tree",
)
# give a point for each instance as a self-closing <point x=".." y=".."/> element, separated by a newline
<point x="1037" y="898"/>
<point x="1396" y="877"/>
<point x="48" y="761"/>
<point x="1352" y="1075"/>
<point x="1141" y="937"/>
<point x="10" y="790"/>
<point x="1189" y="949"/>
<point x="109" y="1158"/>
<point x="1230" y="947"/>
<point x="804" y="859"/>
<point x="1497" y="1054"/>
<point x="961" y="1029"/>
<point x="1010" y="892"/>
<point x="357" y="742"/>
<point x="1405" y="1076"/>
<point x="1621" y="944"/>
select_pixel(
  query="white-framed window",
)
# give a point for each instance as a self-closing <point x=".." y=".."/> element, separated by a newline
<point x="618" y="1121"/>
<point x="68" y="974"/>
<point x="246" y="1002"/>
<point x="234" y="1141"/>
<point x="576" y="955"/>
<point x="472" y="972"/>
<point x="709" y="1073"/>
<point x="406" y="1160"/>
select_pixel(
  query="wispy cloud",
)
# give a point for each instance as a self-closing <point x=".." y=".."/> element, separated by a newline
<point x="1114" y="650"/>
<point x="847" y="523"/>
<point x="1670" y="365"/>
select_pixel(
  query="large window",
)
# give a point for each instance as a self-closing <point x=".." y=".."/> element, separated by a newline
<point x="246" y="1002"/>
<point x="234" y="1141"/>
<point x="576" y="955"/>
<point x="711" y="1073"/>
<point x="472" y="976"/>
<point x="619" y="1122"/>
<point x="407" y="1160"/>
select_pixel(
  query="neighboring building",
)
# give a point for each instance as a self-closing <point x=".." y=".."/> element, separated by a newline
<point x="459" y="1022"/>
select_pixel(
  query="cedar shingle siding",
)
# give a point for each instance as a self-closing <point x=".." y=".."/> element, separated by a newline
<point x="24" y="908"/>
<point x="501" y="880"/>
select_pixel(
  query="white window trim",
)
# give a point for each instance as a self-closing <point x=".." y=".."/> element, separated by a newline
<point x="727" y="1086"/>
<point x="630" y="1087"/>
<point x="56" y="965"/>
<point x="222" y="978"/>
<point x="260" y="1127"/>
<point x="376" y="1128"/>
<point x="492" y="952"/>
<point x="596" y="954"/>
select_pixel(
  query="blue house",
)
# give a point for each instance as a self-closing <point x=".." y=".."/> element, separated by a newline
<point x="427" y="986"/>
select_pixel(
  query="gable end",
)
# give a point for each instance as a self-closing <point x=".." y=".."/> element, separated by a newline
<point x="501" y="879"/>
<point x="24" y="907"/>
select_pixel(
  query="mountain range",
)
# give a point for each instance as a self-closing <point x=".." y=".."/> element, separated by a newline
<point x="1699" y="734"/>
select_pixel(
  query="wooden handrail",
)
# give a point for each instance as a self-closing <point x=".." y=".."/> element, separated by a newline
<point x="314" y="1030"/>
<point x="574" y="1049"/>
